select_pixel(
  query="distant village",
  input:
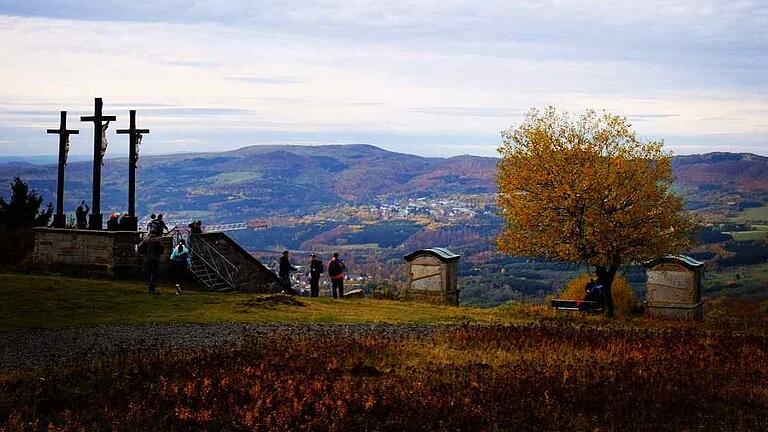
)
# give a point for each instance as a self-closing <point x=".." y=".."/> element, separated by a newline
<point x="425" y="210"/>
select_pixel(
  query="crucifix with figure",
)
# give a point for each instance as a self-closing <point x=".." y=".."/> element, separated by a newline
<point x="134" y="138"/>
<point x="95" y="220"/>
<point x="60" y="219"/>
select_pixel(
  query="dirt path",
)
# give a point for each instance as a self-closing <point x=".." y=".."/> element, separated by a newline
<point x="39" y="348"/>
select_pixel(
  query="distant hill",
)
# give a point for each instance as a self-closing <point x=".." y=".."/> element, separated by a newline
<point x="260" y="180"/>
<point x="266" y="180"/>
<point x="744" y="172"/>
<point x="722" y="183"/>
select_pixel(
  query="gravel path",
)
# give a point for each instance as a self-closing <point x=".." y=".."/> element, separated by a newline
<point x="39" y="348"/>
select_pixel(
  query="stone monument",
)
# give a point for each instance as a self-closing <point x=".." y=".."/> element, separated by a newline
<point x="674" y="287"/>
<point x="433" y="276"/>
<point x="218" y="262"/>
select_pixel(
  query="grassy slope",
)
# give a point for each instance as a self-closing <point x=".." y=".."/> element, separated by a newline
<point x="738" y="281"/>
<point x="748" y="235"/>
<point x="753" y="215"/>
<point x="48" y="301"/>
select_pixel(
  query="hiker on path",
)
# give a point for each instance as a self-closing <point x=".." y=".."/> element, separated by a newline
<point x="316" y="268"/>
<point x="81" y="215"/>
<point x="336" y="270"/>
<point x="181" y="260"/>
<point x="285" y="271"/>
<point x="152" y="248"/>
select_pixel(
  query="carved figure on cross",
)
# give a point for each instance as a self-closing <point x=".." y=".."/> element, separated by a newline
<point x="104" y="142"/>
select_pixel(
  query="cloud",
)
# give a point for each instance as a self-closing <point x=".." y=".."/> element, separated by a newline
<point x="193" y="63"/>
<point x="408" y="73"/>
<point x="198" y="111"/>
<point x="266" y="80"/>
<point x="468" y="111"/>
<point x="650" y="116"/>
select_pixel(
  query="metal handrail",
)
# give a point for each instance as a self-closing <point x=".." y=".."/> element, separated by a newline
<point x="214" y="260"/>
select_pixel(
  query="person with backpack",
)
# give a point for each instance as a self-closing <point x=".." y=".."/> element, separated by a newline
<point x="336" y="270"/>
<point x="316" y="268"/>
<point x="181" y="261"/>
<point x="152" y="248"/>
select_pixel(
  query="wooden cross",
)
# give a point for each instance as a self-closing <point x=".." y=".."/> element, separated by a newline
<point x="59" y="219"/>
<point x="133" y="139"/>
<point x="95" y="220"/>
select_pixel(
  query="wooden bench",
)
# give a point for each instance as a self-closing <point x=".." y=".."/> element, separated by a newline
<point x="576" y="305"/>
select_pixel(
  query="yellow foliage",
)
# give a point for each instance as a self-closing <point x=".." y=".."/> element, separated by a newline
<point x="623" y="294"/>
<point x="587" y="190"/>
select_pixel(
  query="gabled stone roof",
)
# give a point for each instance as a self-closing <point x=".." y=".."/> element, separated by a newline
<point x="684" y="260"/>
<point x="443" y="254"/>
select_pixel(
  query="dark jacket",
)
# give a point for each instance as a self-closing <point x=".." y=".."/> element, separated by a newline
<point x="152" y="247"/>
<point x="159" y="228"/>
<point x="316" y="267"/>
<point x="81" y="212"/>
<point x="285" y="266"/>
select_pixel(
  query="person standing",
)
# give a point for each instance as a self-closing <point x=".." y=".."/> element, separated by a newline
<point x="123" y="224"/>
<point x="336" y="270"/>
<point x="316" y="268"/>
<point x="152" y="222"/>
<point x="113" y="223"/>
<point x="285" y="272"/>
<point x="152" y="248"/>
<point x="196" y="227"/>
<point x="159" y="227"/>
<point x="181" y="260"/>
<point x="81" y="215"/>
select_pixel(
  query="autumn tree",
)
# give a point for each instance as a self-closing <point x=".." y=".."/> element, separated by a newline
<point x="586" y="190"/>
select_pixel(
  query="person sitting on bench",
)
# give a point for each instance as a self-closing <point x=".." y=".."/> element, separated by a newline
<point x="593" y="291"/>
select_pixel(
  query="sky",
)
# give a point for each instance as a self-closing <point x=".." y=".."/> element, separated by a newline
<point x="434" y="78"/>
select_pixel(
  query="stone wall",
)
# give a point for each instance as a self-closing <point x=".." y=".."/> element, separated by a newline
<point x="88" y="253"/>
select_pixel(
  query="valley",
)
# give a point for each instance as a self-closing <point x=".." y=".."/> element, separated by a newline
<point x="374" y="206"/>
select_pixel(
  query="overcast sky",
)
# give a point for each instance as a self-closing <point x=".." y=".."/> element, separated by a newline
<point x="434" y="78"/>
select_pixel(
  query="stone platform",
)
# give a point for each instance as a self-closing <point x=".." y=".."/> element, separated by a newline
<point x="113" y="254"/>
<point x="87" y="253"/>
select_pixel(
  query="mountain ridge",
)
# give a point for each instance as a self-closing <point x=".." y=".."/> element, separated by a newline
<point x="261" y="180"/>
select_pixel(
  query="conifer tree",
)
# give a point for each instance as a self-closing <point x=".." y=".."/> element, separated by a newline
<point x="23" y="209"/>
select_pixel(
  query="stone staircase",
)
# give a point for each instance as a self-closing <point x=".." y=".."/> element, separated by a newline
<point x="210" y="266"/>
<point x="220" y="264"/>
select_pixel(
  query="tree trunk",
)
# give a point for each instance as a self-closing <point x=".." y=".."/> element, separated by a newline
<point x="605" y="276"/>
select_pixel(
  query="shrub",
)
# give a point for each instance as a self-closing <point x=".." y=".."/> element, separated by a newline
<point x="623" y="294"/>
